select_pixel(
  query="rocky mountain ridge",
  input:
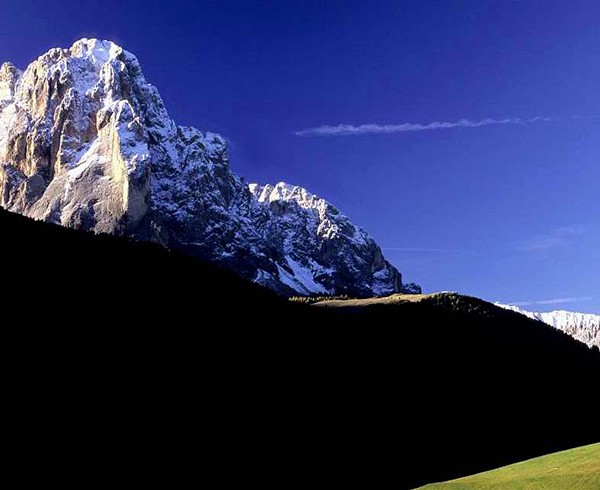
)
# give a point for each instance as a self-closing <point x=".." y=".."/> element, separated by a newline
<point x="584" y="327"/>
<point x="86" y="142"/>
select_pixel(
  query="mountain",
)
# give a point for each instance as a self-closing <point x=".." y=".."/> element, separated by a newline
<point x="143" y="350"/>
<point x="584" y="327"/>
<point x="86" y="142"/>
<point x="125" y="353"/>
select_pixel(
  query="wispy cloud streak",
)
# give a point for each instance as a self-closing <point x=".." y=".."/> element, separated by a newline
<point x="558" y="237"/>
<point x="350" y="130"/>
<point x="429" y="250"/>
<point x="553" y="301"/>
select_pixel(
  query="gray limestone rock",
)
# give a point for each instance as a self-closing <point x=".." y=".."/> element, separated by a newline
<point x="87" y="143"/>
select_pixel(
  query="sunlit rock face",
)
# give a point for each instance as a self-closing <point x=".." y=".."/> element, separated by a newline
<point x="86" y="142"/>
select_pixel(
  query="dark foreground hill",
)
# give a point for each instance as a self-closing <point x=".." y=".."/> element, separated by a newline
<point x="126" y="356"/>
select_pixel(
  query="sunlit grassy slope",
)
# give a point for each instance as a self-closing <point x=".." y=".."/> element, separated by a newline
<point x="573" y="469"/>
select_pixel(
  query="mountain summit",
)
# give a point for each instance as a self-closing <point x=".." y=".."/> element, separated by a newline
<point x="86" y="142"/>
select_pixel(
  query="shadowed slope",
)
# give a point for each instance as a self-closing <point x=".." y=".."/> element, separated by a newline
<point x="146" y="351"/>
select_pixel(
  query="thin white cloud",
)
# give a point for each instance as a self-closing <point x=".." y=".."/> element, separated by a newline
<point x="557" y="301"/>
<point x="416" y="249"/>
<point x="552" y="301"/>
<point x="429" y="250"/>
<point x="558" y="237"/>
<point x="350" y="130"/>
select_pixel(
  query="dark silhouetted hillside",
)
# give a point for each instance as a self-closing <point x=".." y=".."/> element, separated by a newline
<point x="125" y="355"/>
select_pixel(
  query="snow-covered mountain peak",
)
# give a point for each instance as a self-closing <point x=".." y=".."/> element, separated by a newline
<point x="283" y="192"/>
<point x="96" y="51"/>
<point x="584" y="327"/>
<point x="86" y="142"/>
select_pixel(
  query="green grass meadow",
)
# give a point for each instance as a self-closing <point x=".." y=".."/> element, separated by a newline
<point x="573" y="469"/>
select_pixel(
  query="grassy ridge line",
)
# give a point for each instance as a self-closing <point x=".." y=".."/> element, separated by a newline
<point x="573" y="469"/>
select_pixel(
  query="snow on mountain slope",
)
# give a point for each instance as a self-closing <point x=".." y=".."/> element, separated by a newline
<point x="86" y="142"/>
<point x="584" y="327"/>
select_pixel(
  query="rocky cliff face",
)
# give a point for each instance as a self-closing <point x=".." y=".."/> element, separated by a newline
<point x="87" y="143"/>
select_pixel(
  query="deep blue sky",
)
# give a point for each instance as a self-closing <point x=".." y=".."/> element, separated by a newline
<point x="505" y="212"/>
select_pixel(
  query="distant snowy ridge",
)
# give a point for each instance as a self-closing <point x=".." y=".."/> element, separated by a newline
<point x="86" y="142"/>
<point x="584" y="327"/>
